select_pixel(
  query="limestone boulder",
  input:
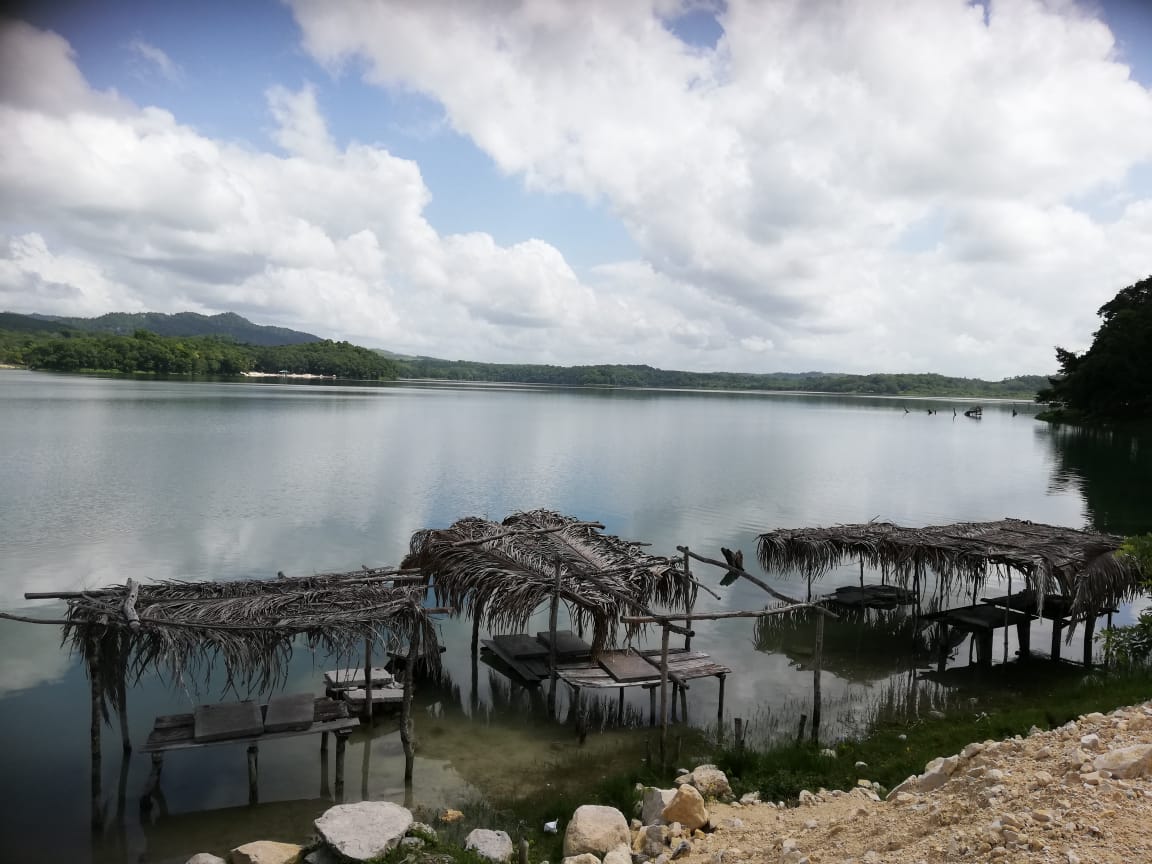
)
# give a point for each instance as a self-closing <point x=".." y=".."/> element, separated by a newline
<point x="364" y="830"/>
<point x="1126" y="763"/>
<point x="712" y="782"/>
<point x="595" y="829"/>
<point x="619" y="855"/>
<point x="687" y="808"/>
<point x="493" y="845"/>
<point x="266" y="852"/>
<point x="205" y="858"/>
<point x="653" y="804"/>
<point x="650" y="840"/>
<point x="582" y="858"/>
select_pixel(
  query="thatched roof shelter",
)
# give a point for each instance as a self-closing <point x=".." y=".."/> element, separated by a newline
<point x="1081" y="565"/>
<point x="502" y="572"/>
<point x="245" y="630"/>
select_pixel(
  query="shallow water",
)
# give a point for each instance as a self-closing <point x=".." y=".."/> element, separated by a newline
<point x="105" y="479"/>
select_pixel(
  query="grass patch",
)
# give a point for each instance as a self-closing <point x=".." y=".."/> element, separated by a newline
<point x="899" y="746"/>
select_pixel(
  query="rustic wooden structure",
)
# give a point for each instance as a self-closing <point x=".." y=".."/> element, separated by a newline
<point x="244" y="630"/>
<point x="1079" y="570"/>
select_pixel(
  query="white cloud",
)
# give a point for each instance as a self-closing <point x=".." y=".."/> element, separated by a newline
<point x="777" y="172"/>
<point x="771" y="183"/>
<point x="156" y="60"/>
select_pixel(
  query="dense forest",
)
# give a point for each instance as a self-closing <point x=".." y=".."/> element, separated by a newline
<point x="143" y="351"/>
<point x="227" y="324"/>
<point x="885" y="384"/>
<point x="1112" y="380"/>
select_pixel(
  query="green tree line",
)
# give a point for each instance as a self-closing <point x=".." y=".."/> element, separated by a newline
<point x="143" y="351"/>
<point x="886" y="384"/>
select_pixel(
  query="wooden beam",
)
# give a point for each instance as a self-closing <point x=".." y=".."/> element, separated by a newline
<point x="760" y="583"/>
<point x="710" y="616"/>
<point x="129" y="607"/>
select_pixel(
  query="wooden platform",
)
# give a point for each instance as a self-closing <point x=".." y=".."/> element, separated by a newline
<point x="338" y="679"/>
<point x="870" y="596"/>
<point x="982" y="620"/>
<point x="380" y="696"/>
<point x="177" y="731"/>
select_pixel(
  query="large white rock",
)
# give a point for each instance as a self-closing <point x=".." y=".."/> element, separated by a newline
<point x="619" y="855"/>
<point x="493" y="845"/>
<point x="582" y="858"/>
<point x="687" y="808"/>
<point x="712" y="782"/>
<point x="1127" y="762"/>
<point x="364" y="830"/>
<point x="266" y="852"/>
<point x="653" y="804"/>
<point x="596" y="829"/>
<point x="205" y="858"/>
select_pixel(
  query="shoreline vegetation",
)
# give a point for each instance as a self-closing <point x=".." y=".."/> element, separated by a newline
<point x="211" y="345"/>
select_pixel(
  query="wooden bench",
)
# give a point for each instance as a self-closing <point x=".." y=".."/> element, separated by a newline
<point x="178" y="732"/>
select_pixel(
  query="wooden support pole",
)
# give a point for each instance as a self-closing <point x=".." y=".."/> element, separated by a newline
<point x="620" y="708"/>
<point x="738" y="734"/>
<point x="325" y="791"/>
<point x="942" y="635"/>
<point x="253" y="774"/>
<point x="368" y="682"/>
<point x="817" y="669"/>
<point x="1108" y="642"/>
<point x="1024" y="638"/>
<point x="652" y="706"/>
<point x="129" y="605"/>
<point x="1057" y="632"/>
<point x="553" y="614"/>
<point x="152" y="786"/>
<point x="683" y="704"/>
<point x="688" y="602"/>
<point x="365" y="767"/>
<point x="720" y="706"/>
<point x="341" y="746"/>
<point x="663" y="693"/>
<point x="1007" y="606"/>
<point x="406" y="707"/>
<point x="1089" y="629"/>
<point x="122" y="704"/>
<point x="800" y="728"/>
<point x="94" y="730"/>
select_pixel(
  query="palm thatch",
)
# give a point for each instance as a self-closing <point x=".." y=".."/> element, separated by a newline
<point x="501" y="573"/>
<point x="246" y="629"/>
<point x="1080" y="565"/>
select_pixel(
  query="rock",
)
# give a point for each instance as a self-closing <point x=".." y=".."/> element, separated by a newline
<point x="650" y="840"/>
<point x="266" y="852"/>
<point x="412" y="843"/>
<point x="364" y="830"/>
<point x="205" y="858"/>
<point x="908" y="786"/>
<point x="596" y="829"/>
<point x="828" y="753"/>
<point x="750" y="798"/>
<point x="1090" y="742"/>
<point x="1127" y="762"/>
<point x="322" y="855"/>
<point x="682" y="848"/>
<point x="619" y="855"/>
<point x="424" y="831"/>
<point x="687" y="808"/>
<point x="653" y="804"/>
<point x="712" y="782"/>
<point x="583" y="858"/>
<point x="493" y="845"/>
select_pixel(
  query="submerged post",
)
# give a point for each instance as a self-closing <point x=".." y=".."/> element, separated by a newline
<point x="368" y="681"/>
<point x="253" y="774"/>
<point x="97" y="716"/>
<point x="553" y="614"/>
<point x="663" y="693"/>
<point x="817" y="668"/>
<point x="406" y="715"/>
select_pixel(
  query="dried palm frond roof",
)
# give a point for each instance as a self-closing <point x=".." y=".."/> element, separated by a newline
<point x="1081" y="565"/>
<point x="504" y="571"/>
<point x="246" y="629"/>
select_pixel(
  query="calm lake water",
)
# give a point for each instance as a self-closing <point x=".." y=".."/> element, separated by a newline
<point x="106" y="479"/>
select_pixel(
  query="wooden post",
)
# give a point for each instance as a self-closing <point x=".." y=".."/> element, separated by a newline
<point x="720" y="708"/>
<point x="663" y="693"/>
<point x="553" y="613"/>
<point x="817" y="668"/>
<point x="1107" y="642"/>
<point x="406" y="709"/>
<point x="683" y="703"/>
<point x="688" y="603"/>
<point x="365" y="765"/>
<point x="620" y="708"/>
<point x="1024" y="638"/>
<point x="94" y="730"/>
<point x="122" y="706"/>
<point x="477" y="614"/>
<point x="341" y="745"/>
<point x="651" y="706"/>
<point x="1007" y="607"/>
<point x="253" y="771"/>
<point x="1089" y="628"/>
<point x="368" y="682"/>
<point x="800" y="728"/>
<point x="1057" y="630"/>
<point x="152" y="786"/>
<point x="942" y="660"/>
<point x="325" y="791"/>
<point x="738" y="734"/>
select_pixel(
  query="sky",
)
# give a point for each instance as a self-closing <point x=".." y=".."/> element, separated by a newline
<point x="755" y="185"/>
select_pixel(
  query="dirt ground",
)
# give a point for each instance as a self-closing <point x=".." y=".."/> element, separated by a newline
<point x="1034" y="799"/>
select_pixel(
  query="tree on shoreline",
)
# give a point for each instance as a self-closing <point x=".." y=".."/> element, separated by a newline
<point x="1112" y="380"/>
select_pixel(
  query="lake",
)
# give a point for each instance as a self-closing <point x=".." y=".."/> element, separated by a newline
<point x="105" y="479"/>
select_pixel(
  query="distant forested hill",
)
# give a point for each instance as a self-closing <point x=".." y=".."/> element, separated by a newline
<point x="883" y="384"/>
<point x="227" y="324"/>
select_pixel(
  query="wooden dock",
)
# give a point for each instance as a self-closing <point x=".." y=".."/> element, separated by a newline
<point x="615" y="669"/>
<point x="869" y="597"/>
<point x="981" y="620"/>
<point x="213" y="725"/>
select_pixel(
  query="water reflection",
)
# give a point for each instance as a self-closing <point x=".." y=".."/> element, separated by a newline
<point x="1111" y="469"/>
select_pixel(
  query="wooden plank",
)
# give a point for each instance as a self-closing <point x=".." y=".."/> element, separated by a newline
<point x="384" y="695"/>
<point x="291" y="712"/>
<point x="155" y="745"/>
<point x="520" y="646"/>
<point x="227" y="720"/>
<point x="626" y="666"/>
<point x="567" y="644"/>
<point x="336" y="679"/>
<point x="530" y="674"/>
